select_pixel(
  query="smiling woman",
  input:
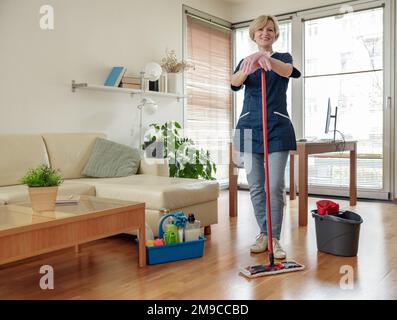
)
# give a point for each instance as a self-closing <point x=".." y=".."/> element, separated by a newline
<point x="249" y="141"/>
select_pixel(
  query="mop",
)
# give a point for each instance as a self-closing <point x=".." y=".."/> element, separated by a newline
<point x="272" y="267"/>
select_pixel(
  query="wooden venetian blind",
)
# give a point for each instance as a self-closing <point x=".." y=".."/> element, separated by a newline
<point x="209" y="102"/>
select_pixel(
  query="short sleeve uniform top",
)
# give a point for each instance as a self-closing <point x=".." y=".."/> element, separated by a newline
<point x="249" y="132"/>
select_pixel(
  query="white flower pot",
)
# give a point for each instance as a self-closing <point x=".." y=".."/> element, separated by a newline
<point x="174" y="83"/>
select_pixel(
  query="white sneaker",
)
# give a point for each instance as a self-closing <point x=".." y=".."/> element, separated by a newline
<point x="260" y="244"/>
<point x="278" y="250"/>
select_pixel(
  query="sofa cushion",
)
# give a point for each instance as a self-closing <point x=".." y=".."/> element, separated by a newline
<point x="156" y="192"/>
<point x="19" y="152"/>
<point x="19" y="193"/>
<point x="110" y="160"/>
<point x="69" y="152"/>
<point x="154" y="167"/>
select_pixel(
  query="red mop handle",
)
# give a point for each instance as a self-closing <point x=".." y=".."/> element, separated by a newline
<point x="266" y="158"/>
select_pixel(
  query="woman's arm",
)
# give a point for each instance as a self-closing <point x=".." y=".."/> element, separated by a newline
<point x="262" y="60"/>
<point x="281" y="68"/>
<point x="258" y="60"/>
<point x="238" y="78"/>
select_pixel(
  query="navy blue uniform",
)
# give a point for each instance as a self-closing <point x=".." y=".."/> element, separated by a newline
<point x="281" y="134"/>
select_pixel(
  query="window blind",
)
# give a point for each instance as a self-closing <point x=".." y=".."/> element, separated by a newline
<point x="209" y="99"/>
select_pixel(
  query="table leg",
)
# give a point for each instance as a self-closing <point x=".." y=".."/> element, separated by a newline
<point x="303" y="191"/>
<point x="353" y="176"/>
<point x="232" y="184"/>
<point x="292" y="195"/>
<point x="142" y="240"/>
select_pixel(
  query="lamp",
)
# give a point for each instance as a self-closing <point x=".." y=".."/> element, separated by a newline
<point x="151" y="72"/>
<point x="150" y="108"/>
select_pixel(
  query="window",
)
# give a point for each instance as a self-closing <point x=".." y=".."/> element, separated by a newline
<point x="344" y="62"/>
<point x="209" y="99"/>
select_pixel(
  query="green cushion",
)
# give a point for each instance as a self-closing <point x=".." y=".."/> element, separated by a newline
<point x="110" y="160"/>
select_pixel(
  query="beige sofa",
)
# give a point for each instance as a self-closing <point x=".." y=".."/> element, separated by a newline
<point x="69" y="153"/>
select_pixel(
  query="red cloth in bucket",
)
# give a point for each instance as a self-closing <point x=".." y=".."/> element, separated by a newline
<point x="327" y="207"/>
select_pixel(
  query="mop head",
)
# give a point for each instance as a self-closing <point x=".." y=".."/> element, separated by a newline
<point x="267" y="270"/>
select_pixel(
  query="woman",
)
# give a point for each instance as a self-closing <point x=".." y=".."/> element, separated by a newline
<point x="264" y="30"/>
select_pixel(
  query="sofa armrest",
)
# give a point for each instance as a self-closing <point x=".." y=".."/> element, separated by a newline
<point x="154" y="167"/>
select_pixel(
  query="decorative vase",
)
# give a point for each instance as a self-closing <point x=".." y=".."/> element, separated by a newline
<point x="174" y="83"/>
<point x="43" y="199"/>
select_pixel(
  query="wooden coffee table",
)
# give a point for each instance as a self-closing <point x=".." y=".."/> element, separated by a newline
<point x="24" y="233"/>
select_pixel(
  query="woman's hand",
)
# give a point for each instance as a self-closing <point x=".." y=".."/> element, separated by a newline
<point x="256" y="61"/>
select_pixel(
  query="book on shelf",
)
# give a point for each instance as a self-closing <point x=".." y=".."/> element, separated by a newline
<point x="134" y="82"/>
<point x="131" y="80"/>
<point x="69" y="199"/>
<point x="115" y="76"/>
<point x="130" y="86"/>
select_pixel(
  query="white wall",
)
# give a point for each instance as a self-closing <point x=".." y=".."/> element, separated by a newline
<point x="90" y="36"/>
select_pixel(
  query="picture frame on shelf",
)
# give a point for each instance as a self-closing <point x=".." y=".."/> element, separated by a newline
<point x="115" y="76"/>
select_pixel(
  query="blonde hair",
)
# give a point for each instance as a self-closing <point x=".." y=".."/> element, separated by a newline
<point x="260" y="22"/>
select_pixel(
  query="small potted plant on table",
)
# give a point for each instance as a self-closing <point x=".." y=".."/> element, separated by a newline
<point x="43" y="183"/>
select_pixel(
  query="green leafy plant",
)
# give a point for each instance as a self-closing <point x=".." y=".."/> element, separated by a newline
<point x="42" y="176"/>
<point x="185" y="159"/>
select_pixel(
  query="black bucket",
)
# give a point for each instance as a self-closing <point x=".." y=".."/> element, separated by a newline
<point x="338" y="234"/>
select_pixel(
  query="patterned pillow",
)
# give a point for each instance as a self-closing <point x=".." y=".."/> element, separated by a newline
<point x="110" y="160"/>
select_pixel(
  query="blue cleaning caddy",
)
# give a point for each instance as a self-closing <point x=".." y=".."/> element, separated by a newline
<point x="174" y="251"/>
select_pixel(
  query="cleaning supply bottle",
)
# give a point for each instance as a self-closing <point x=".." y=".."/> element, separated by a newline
<point x="149" y="232"/>
<point x="180" y="221"/>
<point x="192" y="228"/>
<point x="171" y="234"/>
<point x="181" y="234"/>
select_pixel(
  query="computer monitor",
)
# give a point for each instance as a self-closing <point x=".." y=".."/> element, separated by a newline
<point x="329" y="116"/>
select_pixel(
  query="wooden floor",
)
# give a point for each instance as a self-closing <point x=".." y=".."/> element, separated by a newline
<point x="108" y="269"/>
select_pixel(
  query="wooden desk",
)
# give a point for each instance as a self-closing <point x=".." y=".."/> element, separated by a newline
<point x="304" y="149"/>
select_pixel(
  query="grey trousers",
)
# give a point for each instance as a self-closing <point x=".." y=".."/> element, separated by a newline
<point x="254" y="166"/>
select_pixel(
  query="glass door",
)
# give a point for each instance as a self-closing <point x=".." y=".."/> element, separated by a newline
<point x="345" y="63"/>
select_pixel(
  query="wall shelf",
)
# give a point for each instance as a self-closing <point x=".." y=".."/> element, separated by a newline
<point x="132" y="92"/>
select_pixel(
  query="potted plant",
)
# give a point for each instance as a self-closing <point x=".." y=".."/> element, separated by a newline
<point x="185" y="159"/>
<point x="174" y="68"/>
<point x="43" y="183"/>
